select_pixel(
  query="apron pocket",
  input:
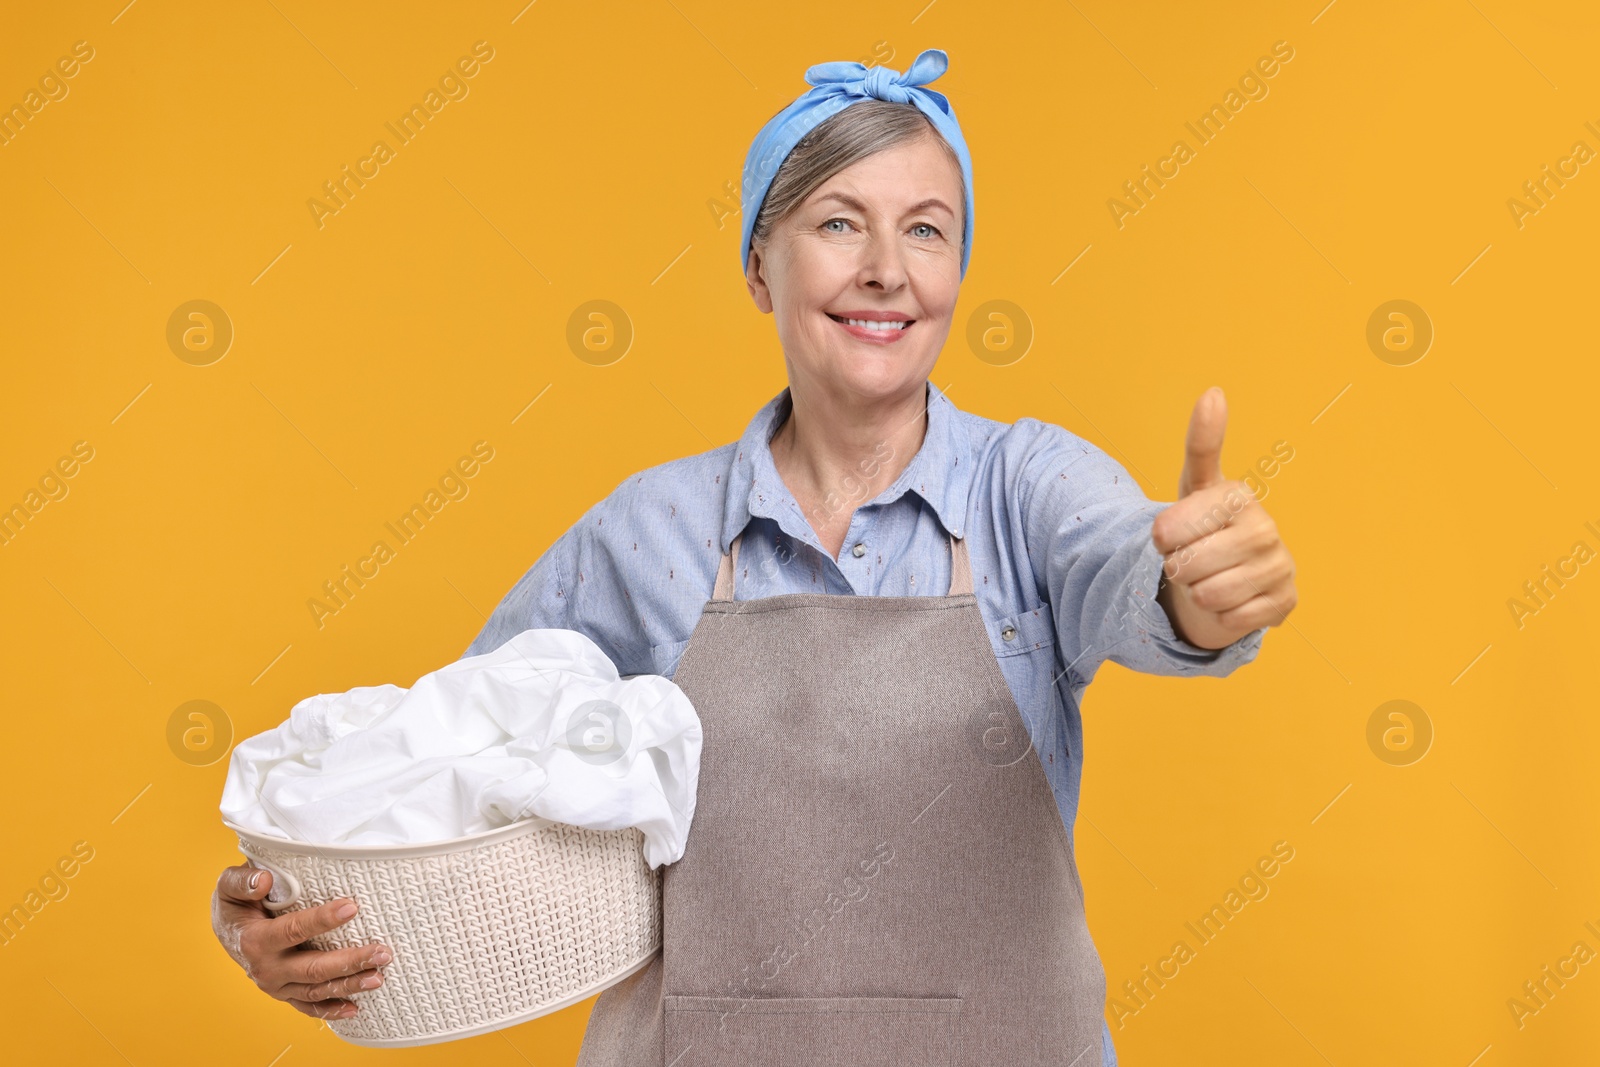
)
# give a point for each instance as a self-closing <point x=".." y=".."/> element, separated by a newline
<point x="810" y="1031"/>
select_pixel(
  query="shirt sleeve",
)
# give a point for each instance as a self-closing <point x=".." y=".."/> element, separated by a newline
<point x="539" y="600"/>
<point x="1087" y="526"/>
<point x="578" y="584"/>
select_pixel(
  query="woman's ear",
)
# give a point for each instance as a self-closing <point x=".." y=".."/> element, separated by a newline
<point x="755" y="281"/>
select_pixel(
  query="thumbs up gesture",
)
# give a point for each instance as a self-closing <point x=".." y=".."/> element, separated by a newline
<point x="1225" y="572"/>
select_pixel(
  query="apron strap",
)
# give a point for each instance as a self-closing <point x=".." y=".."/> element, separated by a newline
<point x="960" y="569"/>
<point x="730" y="559"/>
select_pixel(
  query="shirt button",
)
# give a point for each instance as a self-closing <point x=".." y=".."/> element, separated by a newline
<point x="859" y="551"/>
<point x="1009" y="633"/>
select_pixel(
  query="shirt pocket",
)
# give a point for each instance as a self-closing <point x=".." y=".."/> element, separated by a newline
<point x="809" y="1031"/>
<point x="1031" y="630"/>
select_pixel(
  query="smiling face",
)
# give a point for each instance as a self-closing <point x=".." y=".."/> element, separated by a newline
<point x="879" y="240"/>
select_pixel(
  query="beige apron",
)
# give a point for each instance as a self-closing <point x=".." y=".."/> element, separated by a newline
<point x="876" y="871"/>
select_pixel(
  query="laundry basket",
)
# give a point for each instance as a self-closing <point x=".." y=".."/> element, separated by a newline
<point x="487" y="931"/>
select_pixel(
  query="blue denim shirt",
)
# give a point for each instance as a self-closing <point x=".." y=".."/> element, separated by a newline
<point x="1058" y="534"/>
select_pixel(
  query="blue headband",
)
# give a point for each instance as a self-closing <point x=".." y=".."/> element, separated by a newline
<point x="836" y="86"/>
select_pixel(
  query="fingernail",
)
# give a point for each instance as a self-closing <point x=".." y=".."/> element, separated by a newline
<point x="345" y="912"/>
<point x="381" y="957"/>
<point x="255" y="879"/>
<point x="372" y="981"/>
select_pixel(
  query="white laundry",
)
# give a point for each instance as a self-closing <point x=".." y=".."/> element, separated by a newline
<point x="542" y="726"/>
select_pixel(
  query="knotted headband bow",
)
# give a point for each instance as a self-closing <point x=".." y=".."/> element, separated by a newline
<point x="836" y="86"/>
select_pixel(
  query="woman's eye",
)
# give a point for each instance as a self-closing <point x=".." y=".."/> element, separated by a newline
<point x="933" y="231"/>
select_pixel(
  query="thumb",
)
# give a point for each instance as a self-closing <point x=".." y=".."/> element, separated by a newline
<point x="1202" y="449"/>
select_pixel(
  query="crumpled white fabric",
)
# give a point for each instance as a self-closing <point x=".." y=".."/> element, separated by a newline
<point x="542" y="726"/>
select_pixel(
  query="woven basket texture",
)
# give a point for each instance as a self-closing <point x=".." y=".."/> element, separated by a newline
<point x="486" y="936"/>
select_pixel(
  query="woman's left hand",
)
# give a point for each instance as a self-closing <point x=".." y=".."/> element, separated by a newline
<point x="1226" y="571"/>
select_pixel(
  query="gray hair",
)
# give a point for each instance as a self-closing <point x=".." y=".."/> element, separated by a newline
<point x="839" y="141"/>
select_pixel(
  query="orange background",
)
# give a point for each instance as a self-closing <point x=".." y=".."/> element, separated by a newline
<point x="587" y="163"/>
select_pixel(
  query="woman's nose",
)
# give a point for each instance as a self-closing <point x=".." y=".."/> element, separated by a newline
<point x="883" y="261"/>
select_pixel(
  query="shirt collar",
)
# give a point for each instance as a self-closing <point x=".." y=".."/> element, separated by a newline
<point x="940" y="473"/>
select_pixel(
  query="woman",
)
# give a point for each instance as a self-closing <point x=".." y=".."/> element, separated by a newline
<point x="885" y="611"/>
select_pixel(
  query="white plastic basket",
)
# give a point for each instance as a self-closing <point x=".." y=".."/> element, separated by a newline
<point x="487" y="931"/>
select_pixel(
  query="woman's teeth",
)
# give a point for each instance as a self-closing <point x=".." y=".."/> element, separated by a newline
<point x="872" y="325"/>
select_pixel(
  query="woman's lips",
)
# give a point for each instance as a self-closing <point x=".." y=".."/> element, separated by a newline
<point x="876" y="337"/>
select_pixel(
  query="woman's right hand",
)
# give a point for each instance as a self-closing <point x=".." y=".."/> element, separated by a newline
<point x="267" y="946"/>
